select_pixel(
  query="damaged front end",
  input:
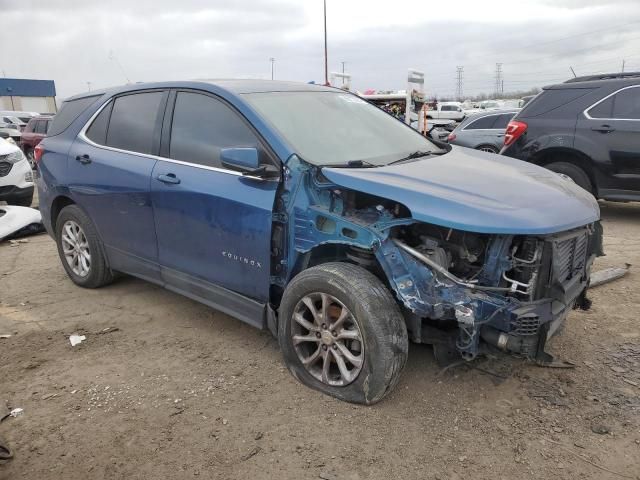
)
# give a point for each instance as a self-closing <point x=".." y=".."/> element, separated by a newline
<point x="460" y="291"/>
<point x="510" y="291"/>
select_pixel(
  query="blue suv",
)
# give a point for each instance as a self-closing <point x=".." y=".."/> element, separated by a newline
<point x="307" y="211"/>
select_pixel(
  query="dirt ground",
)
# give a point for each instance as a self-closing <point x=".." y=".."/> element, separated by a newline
<point x="176" y="390"/>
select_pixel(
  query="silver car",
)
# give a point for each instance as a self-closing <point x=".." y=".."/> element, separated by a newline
<point x="483" y="131"/>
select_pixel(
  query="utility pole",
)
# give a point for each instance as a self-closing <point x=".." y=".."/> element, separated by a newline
<point x="499" y="83"/>
<point x="273" y="61"/>
<point x="326" y="62"/>
<point x="622" y="66"/>
<point x="88" y="86"/>
<point x="459" y="72"/>
<point x="343" y="72"/>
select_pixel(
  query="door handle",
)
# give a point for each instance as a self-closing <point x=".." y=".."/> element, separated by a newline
<point x="169" y="178"/>
<point x="603" y="129"/>
<point x="83" y="159"/>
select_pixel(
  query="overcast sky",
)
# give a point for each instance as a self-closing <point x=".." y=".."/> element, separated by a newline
<point x="78" y="41"/>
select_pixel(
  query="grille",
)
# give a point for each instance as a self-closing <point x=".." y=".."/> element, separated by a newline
<point x="526" y="325"/>
<point x="5" y="168"/>
<point x="570" y="257"/>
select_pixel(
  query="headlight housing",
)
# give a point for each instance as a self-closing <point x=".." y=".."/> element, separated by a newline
<point x="13" y="157"/>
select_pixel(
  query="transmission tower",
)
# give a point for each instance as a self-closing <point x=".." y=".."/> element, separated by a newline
<point x="499" y="81"/>
<point x="459" y="77"/>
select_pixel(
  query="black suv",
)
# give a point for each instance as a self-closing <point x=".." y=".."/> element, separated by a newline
<point x="587" y="128"/>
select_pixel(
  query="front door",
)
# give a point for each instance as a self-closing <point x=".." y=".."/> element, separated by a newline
<point x="213" y="224"/>
<point x="110" y="169"/>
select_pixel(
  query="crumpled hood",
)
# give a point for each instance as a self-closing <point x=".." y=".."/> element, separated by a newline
<point x="477" y="192"/>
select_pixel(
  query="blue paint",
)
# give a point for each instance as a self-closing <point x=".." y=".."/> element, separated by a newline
<point x="216" y="232"/>
<point x="23" y="87"/>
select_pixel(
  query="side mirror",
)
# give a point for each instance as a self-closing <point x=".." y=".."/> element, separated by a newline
<point x="244" y="159"/>
<point x="247" y="161"/>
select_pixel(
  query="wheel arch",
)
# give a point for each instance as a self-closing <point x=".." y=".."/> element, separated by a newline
<point x="57" y="205"/>
<point x="568" y="155"/>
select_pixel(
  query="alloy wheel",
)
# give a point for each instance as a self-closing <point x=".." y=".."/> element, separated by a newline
<point x="327" y="339"/>
<point x="75" y="248"/>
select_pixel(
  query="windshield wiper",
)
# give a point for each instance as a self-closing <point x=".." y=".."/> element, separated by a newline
<point x="416" y="154"/>
<point x="359" y="164"/>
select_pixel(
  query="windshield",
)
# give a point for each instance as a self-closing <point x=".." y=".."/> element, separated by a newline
<point x="336" y="128"/>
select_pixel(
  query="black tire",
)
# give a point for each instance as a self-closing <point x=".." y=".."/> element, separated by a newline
<point x="21" y="201"/>
<point x="487" y="148"/>
<point x="99" y="272"/>
<point x="378" y="318"/>
<point x="575" y="173"/>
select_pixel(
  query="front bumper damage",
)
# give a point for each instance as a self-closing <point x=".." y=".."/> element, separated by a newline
<point x="466" y="317"/>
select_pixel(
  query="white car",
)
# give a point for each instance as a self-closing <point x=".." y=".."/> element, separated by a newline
<point x="16" y="176"/>
<point x="447" y="111"/>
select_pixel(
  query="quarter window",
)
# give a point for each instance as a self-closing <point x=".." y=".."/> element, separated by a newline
<point x="503" y="120"/>
<point x="41" y="126"/>
<point x="202" y="126"/>
<point x="624" y="105"/>
<point x="133" y="122"/>
<point x="97" y="132"/>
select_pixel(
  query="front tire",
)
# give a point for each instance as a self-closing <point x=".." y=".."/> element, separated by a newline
<point x="342" y="333"/>
<point x="80" y="249"/>
<point x="487" y="148"/>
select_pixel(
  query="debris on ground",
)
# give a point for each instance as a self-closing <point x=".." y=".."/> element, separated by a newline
<point x="254" y="451"/>
<point x="5" y="335"/>
<point x="16" y="412"/>
<point x="76" y="339"/>
<point x="608" y="275"/>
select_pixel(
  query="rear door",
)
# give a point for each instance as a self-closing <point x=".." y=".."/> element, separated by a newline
<point x="613" y="124"/>
<point x="213" y="224"/>
<point x="110" y="167"/>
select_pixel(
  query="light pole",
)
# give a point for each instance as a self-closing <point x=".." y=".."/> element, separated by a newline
<point x="273" y="61"/>
<point x="326" y="67"/>
<point x="343" y="72"/>
<point x="89" y="86"/>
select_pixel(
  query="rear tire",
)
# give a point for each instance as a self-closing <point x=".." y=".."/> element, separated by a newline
<point x="374" y="317"/>
<point x="76" y="234"/>
<point x="575" y="173"/>
<point x="487" y="148"/>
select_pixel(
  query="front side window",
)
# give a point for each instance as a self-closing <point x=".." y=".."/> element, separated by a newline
<point x="202" y="126"/>
<point x="133" y="122"/>
<point x="334" y="128"/>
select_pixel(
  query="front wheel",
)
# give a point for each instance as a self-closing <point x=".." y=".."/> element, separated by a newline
<point x="342" y="333"/>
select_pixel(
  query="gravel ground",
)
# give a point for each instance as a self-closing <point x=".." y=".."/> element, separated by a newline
<point x="164" y="387"/>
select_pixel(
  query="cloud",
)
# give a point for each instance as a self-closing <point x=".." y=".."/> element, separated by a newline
<point x="70" y="41"/>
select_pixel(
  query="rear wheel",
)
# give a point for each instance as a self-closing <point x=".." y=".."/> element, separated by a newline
<point x="342" y="333"/>
<point x="487" y="148"/>
<point x="80" y="249"/>
<point x="575" y="173"/>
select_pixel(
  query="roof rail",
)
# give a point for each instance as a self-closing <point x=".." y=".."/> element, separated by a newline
<point x="604" y="76"/>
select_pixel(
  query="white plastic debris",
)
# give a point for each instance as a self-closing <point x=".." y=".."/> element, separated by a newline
<point x="5" y="335"/>
<point x="608" y="275"/>
<point x="16" y="412"/>
<point x="76" y="339"/>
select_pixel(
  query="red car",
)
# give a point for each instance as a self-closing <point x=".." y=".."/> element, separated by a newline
<point x="33" y="133"/>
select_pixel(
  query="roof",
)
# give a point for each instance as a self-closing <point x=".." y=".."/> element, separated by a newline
<point x="23" y="87"/>
<point x="235" y="86"/>
<point x="605" y="76"/>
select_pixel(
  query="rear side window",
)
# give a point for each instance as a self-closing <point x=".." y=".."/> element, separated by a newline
<point x="47" y="124"/>
<point x="69" y="111"/>
<point x="624" y="105"/>
<point x="503" y="120"/>
<point x="551" y="99"/>
<point x="482" y="123"/>
<point x="202" y="126"/>
<point x="133" y="122"/>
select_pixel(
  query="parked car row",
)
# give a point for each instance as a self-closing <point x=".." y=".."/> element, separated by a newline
<point x="587" y="128"/>
<point x="26" y="129"/>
